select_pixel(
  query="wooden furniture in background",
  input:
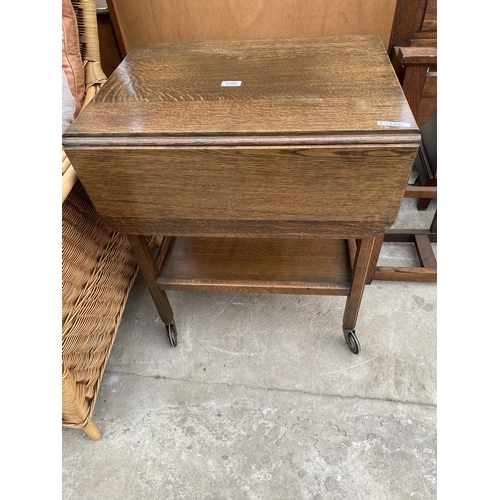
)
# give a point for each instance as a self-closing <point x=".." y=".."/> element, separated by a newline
<point x="422" y="240"/>
<point x="184" y="20"/>
<point x="253" y="158"/>
<point x="413" y="53"/>
<point x="111" y="56"/>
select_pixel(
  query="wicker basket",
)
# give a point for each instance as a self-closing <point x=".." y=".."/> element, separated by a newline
<point x="98" y="268"/>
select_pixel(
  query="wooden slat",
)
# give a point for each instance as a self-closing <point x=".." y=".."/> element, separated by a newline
<point x="416" y="274"/>
<point x="408" y="235"/>
<point x="425" y="252"/>
<point x="430" y="18"/>
<point x="413" y="84"/>
<point x="421" y="192"/>
<point x="422" y="239"/>
<point x="407" y="19"/>
<point x="423" y="42"/>
<point x="426" y="35"/>
<point x="276" y="265"/>
<point x="417" y="55"/>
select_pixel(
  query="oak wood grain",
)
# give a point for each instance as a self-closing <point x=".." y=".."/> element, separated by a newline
<point x="341" y="85"/>
<point x="257" y="265"/>
<point x="315" y="191"/>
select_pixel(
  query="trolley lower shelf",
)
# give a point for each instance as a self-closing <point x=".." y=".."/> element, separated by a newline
<point x="260" y="265"/>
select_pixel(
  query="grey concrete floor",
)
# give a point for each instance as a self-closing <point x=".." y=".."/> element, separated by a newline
<point x="261" y="399"/>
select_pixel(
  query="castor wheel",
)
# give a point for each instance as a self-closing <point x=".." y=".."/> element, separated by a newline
<point x="172" y="334"/>
<point x="352" y="341"/>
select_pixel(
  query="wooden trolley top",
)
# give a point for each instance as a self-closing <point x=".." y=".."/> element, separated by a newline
<point x="323" y="90"/>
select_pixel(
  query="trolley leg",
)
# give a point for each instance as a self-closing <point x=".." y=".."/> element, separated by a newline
<point x="150" y="272"/>
<point x="377" y="247"/>
<point x="359" y="275"/>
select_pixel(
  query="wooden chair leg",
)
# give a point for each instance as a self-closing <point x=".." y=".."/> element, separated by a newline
<point x="150" y="272"/>
<point x="427" y="176"/>
<point x="434" y="223"/>
<point x="423" y="203"/>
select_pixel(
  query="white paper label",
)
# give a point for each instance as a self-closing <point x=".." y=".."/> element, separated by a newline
<point x="394" y="124"/>
<point x="231" y="83"/>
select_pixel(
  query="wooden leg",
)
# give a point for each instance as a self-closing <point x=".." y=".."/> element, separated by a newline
<point x="150" y="272"/>
<point x="427" y="176"/>
<point x="359" y="275"/>
<point x="377" y="247"/>
<point x="92" y="431"/>
<point x="434" y="223"/>
<point x="423" y="203"/>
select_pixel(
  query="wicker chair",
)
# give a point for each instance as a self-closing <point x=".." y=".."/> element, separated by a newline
<point x="98" y="267"/>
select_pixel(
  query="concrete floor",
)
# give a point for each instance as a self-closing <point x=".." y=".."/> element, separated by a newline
<point x="262" y="399"/>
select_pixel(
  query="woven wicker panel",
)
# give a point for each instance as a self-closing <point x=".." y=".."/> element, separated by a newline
<point x="98" y="271"/>
<point x="84" y="240"/>
<point x="74" y="405"/>
<point x="98" y="267"/>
